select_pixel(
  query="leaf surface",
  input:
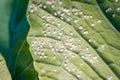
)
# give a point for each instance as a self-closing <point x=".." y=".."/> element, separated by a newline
<point x="72" y="39"/>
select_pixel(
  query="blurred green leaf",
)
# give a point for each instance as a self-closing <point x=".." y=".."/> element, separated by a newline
<point x="5" y="9"/>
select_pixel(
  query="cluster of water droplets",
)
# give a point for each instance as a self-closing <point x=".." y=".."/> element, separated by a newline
<point x="64" y="43"/>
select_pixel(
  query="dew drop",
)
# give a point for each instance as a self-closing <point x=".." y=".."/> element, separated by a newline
<point x="61" y="18"/>
<point x="60" y="2"/>
<point x="85" y="32"/>
<point x="44" y="6"/>
<point x="53" y="6"/>
<point x="91" y="17"/>
<point x="69" y="13"/>
<point x="102" y="46"/>
<point x="81" y="12"/>
<point x="43" y="71"/>
<point x="75" y="21"/>
<point x="80" y="27"/>
<point x="92" y="24"/>
<point x="68" y="20"/>
<point x="89" y="40"/>
<point x="55" y="13"/>
<point x="54" y="57"/>
<point x="75" y="13"/>
<point x="71" y="33"/>
<point x="31" y="11"/>
<point x="81" y="64"/>
<point x="113" y="15"/>
<point x="108" y="9"/>
<point x="99" y="21"/>
<point x="58" y="12"/>
<point x="40" y="5"/>
<point x="118" y="9"/>
<point x="110" y="78"/>
<point x="79" y="74"/>
<point x="55" y="70"/>
<point x="87" y="48"/>
<point x="58" y="24"/>
<point x="116" y="0"/>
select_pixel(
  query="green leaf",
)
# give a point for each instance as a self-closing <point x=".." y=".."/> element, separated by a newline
<point x="72" y="40"/>
<point x="5" y="9"/>
<point x="4" y="18"/>
<point x="20" y="60"/>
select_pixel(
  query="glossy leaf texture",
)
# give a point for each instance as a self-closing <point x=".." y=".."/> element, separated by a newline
<point x="72" y="40"/>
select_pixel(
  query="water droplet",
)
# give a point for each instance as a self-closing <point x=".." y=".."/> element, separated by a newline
<point x="60" y="2"/>
<point x="43" y="70"/>
<point x="58" y="24"/>
<point x="85" y="32"/>
<point x="68" y="20"/>
<point x="92" y="24"/>
<point x="62" y="15"/>
<point x="81" y="64"/>
<point x="79" y="74"/>
<point x="116" y="0"/>
<point x="40" y="5"/>
<point x="87" y="48"/>
<point x="113" y="15"/>
<point x="80" y="27"/>
<point x="55" y="70"/>
<point x="118" y="9"/>
<point x="75" y="21"/>
<point x="61" y="18"/>
<point x="110" y="78"/>
<point x="89" y="40"/>
<point x="108" y="9"/>
<point x="54" y="57"/>
<point x="31" y="11"/>
<point x="43" y="16"/>
<point x="58" y="12"/>
<point x="53" y="6"/>
<point x="59" y="37"/>
<point x="71" y="33"/>
<point x="44" y="6"/>
<point x="81" y="12"/>
<point x="102" y="46"/>
<point x="99" y="21"/>
<point x="55" y="13"/>
<point x="75" y="13"/>
<point x="69" y="13"/>
<point x="91" y="17"/>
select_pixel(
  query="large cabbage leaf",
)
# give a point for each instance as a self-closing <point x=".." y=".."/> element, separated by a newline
<point x="67" y="40"/>
<point x="72" y="40"/>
